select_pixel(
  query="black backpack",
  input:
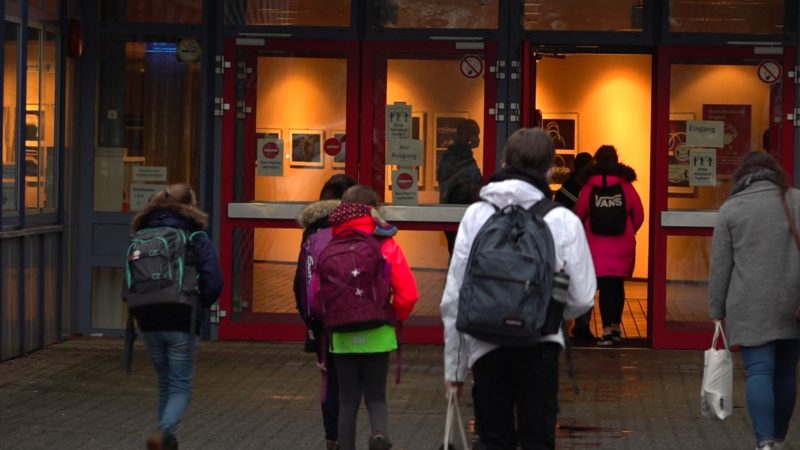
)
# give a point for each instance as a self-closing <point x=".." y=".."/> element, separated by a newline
<point x="607" y="212"/>
<point x="160" y="268"/>
<point x="508" y="282"/>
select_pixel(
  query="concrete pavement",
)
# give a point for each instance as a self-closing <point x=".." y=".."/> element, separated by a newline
<point x="259" y="395"/>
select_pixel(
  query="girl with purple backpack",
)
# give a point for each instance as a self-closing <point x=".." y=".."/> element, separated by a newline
<point x="361" y="353"/>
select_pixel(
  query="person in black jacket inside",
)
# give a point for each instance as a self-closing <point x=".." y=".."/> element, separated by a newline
<point x="458" y="173"/>
<point x="314" y="218"/>
<point x="166" y="328"/>
<point x="567" y="195"/>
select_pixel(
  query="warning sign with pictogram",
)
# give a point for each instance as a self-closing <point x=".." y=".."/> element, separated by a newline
<point x="471" y="66"/>
<point x="269" y="157"/>
<point x="769" y="71"/>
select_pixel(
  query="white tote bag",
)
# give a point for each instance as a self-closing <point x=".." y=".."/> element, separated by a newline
<point x="716" y="393"/>
<point x="453" y="411"/>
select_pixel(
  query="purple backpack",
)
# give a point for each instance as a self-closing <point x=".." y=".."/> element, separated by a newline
<point x="353" y="284"/>
<point x="312" y="249"/>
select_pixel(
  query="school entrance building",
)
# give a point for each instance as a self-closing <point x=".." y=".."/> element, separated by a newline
<point x="257" y="103"/>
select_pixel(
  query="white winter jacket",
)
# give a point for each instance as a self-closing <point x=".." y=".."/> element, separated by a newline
<point x="462" y="350"/>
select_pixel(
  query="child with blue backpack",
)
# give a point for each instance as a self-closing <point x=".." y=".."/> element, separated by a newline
<point x="363" y="287"/>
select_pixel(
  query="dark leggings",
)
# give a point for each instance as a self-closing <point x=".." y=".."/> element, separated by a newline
<point x="361" y="375"/>
<point x="330" y="406"/>
<point x="612" y="299"/>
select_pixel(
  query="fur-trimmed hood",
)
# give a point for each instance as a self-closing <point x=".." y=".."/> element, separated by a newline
<point x="619" y="170"/>
<point x="316" y="211"/>
<point x="156" y="215"/>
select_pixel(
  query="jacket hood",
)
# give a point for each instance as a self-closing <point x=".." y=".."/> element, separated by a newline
<point x="619" y="171"/>
<point x="511" y="191"/>
<point x="168" y="214"/>
<point x="316" y="211"/>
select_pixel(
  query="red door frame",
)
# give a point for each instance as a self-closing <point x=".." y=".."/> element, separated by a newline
<point x="263" y="328"/>
<point x="373" y="93"/>
<point x="661" y="337"/>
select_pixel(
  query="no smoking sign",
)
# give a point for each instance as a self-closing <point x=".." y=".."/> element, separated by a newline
<point x="471" y="66"/>
<point x="769" y="71"/>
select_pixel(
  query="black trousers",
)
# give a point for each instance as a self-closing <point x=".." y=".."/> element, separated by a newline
<point x="612" y="299"/>
<point x="516" y="397"/>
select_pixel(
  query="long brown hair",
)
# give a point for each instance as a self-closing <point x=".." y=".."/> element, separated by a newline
<point x="178" y="197"/>
<point x="759" y="161"/>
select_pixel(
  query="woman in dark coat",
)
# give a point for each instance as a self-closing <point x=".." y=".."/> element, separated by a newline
<point x="166" y="328"/>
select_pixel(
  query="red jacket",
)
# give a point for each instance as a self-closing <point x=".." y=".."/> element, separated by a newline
<point x="612" y="255"/>
<point x="404" y="286"/>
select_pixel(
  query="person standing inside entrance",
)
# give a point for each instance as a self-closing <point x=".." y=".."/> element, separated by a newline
<point x="611" y="212"/>
<point x="753" y="286"/>
<point x="567" y="195"/>
<point x="458" y="173"/>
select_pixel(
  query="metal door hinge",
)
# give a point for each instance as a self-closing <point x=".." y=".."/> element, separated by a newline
<point x="513" y="112"/>
<point x="242" y="110"/>
<point x="497" y="112"/>
<point x="220" y="106"/>
<point x="242" y="71"/>
<point x="499" y="69"/>
<point x="794" y="117"/>
<point x="793" y="74"/>
<point x="516" y="70"/>
<point x="221" y="64"/>
<point x="217" y="313"/>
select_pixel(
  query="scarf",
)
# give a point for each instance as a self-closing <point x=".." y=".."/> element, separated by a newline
<point x="512" y="173"/>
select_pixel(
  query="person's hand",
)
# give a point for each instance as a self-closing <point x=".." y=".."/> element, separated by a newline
<point x="450" y="385"/>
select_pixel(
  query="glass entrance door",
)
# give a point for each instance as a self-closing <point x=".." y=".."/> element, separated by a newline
<point x="713" y="106"/>
<point x="288" y="109"/>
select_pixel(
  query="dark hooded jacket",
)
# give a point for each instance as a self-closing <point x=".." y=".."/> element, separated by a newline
<point x="173" y="317"/>
<point x="458" y="175"/>
<point x="612" y="255"/>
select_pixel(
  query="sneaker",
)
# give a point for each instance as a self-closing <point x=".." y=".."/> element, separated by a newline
<point x="379" y="442"/>
<point x="616" y="336"/>
<point x="606" y="341"/>
<point x="162" y="440"/>
<point x="767" y="446"/>
<point x="331" y="445"/>
<point x="582" y="333"/>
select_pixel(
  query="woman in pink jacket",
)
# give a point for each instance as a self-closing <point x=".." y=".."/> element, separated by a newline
<point x="605" y="195"/>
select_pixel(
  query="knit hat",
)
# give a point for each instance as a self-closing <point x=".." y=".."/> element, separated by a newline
<point x="347" y="211"/>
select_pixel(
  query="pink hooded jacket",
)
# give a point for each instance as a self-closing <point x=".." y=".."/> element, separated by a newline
<point x="613" y="255"/>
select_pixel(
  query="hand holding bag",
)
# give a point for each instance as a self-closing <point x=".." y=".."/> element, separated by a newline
<point x="716" y="393"/>
<point x="453" y="410"/>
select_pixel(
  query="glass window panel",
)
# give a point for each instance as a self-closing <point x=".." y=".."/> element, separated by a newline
<point x="108" y="310"/>
<point x="286" y="87"/>
<point x="713" y="16"/>
<point x="13" y="8"/>
<point x="296" y="13"/>
<point x="36" y="10"/>
<point x="464" y="14"/>
<point x="51" y="10"/>
<point x="265" y="260"/>
<point x="440" y="99"/>
<point x="733" y="95"/>
<point x="687" y="283"/>
<point x="583" y="15"/>
<point x="33" y="310"/>
<point x="149" y="116"/>
<point x="51" y="271"/>
<point x="35" y="119"/>
<point x="10" y="106"/>
<point x="164" y="11"/>
<point x="48" y="157"/>
<point x="9" y="298"/>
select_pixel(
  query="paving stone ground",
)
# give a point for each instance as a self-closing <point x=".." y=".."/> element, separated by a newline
<point x="260" y="395"/>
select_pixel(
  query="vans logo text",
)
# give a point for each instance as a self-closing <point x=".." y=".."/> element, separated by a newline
<point x="609" y="201"/>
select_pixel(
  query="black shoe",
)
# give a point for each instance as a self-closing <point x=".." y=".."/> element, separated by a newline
<point x="605" y="341"/>
<point x="379" y="442"/>
<point x="582" y="333"/>
<point x="162" y="440"/>
<point x="616" y="336"/>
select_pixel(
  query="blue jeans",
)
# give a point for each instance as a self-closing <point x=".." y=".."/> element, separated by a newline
<point x="770" y="387"/>
<point x="170" y="353"/>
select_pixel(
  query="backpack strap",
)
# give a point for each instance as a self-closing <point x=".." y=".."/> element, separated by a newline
<point x="543" y="206"/>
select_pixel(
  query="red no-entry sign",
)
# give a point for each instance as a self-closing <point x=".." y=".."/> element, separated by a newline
<point x="332" y="146"/>
<point x="270" y="150"/>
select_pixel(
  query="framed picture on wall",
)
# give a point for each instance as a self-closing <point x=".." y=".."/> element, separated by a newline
<point x="419" y="126"/>
<point x="445" y="125"/>
<point x="562" y="166"/>
<point x="678" y="155"/>
<point x="269" y="133"/>
<point x="562" y="129"/>
<point x="337" y="161"/>
<point x="306" y="148"/>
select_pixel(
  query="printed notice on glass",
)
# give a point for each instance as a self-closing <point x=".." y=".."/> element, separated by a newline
<point x="141" y="194"/>
<point x="149" y="173"/>
<point x="404" y="152"/>
<point x="702" y="167"/>
<point x="404" y="188"/>
<point x="269" y="157"/>
<point x="398" y="121"/>
<point x="705" y="133"/>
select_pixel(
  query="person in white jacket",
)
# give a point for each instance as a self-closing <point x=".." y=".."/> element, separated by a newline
<point x="515" y="390"/>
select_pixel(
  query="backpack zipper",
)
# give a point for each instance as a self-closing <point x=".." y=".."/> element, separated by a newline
<point x="526" y="283"/>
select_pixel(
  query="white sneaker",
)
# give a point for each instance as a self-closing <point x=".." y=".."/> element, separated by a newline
<point x="768" y="446"/>
<point x="778" y="446"/>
